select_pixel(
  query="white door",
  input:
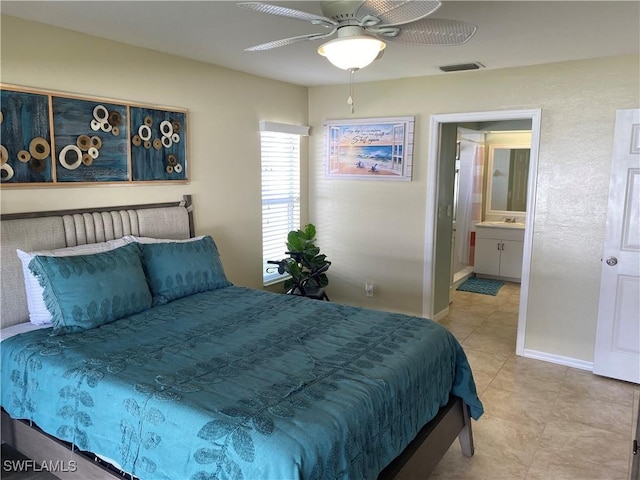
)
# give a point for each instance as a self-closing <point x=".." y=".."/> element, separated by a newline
<point x="617" y="350"/>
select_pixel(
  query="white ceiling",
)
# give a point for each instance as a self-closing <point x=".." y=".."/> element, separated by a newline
<point x="511" y="33"/>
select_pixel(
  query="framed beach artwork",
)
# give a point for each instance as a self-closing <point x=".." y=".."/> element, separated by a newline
<point x="370" y="148"/>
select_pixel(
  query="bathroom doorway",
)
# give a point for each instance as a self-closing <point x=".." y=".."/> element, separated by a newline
<point x="440" y="205"/>
<point x="490" y="185"/>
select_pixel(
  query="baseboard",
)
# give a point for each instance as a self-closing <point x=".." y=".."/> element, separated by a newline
<point x="496" y="277"/>
<point x="440" y="315"/>
<point x="461" y="276"/>
<point x="558" y="359"/>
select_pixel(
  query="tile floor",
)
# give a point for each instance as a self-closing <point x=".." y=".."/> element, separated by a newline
<point x="542" y="421"/>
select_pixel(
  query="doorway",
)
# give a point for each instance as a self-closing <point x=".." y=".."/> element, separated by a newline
<point x="441" y="127"/>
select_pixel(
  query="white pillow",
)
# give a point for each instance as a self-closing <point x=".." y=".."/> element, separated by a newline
<point x="133" y="238"/>
<point x="38" y="313"/>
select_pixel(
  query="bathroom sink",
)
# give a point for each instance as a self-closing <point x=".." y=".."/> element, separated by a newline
<point x="501" y="224"/>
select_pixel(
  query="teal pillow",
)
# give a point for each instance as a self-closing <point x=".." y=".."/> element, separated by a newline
<point x="86" y="291"/>
<point x="177" y="269"/>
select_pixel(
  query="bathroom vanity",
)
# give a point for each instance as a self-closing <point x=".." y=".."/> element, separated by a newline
<point x="498" y="252"/>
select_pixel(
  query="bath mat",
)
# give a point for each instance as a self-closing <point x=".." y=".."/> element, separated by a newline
<point x="481" y="285"/>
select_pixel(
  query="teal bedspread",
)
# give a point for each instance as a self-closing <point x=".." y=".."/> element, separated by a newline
<point x="240" y="384"/>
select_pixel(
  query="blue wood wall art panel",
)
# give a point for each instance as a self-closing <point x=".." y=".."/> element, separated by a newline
<point x="25" y="138"/>
<point x="50" y="138"/>
<point x="158" y="144"/>
<point x="90" y="140"/>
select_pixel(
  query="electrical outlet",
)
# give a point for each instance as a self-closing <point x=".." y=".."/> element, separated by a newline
<point x="368" y="289"/>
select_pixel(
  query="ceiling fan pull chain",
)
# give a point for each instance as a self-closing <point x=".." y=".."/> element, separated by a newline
<point x="350" y="102"/>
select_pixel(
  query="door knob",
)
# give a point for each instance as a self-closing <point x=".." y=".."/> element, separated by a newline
<point x="611" y="261"/>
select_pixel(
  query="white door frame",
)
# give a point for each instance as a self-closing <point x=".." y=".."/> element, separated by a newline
<point x="432" y="196"/>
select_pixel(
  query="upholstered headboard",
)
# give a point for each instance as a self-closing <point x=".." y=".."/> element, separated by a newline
<point x="67" y="228"/>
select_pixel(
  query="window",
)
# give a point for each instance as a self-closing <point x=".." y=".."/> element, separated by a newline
<point x="280" y="153"/>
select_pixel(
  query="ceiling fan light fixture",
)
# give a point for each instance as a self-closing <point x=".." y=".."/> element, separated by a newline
<point x="353" y="52"/>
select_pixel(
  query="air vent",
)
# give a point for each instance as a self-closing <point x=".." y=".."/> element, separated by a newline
<point x="462" y="66"/>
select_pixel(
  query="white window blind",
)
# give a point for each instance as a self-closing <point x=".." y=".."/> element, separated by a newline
<point x="280" y="152"/>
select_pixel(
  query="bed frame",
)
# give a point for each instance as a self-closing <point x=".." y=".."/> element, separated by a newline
<point x="57" y="229"/>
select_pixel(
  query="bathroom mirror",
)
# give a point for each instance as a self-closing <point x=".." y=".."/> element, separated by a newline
<point x="507" y="178"/>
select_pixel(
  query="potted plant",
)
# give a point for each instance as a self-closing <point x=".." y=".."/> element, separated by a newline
<point x="306" y="265"/>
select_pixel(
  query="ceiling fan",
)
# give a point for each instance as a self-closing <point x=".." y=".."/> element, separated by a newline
<point x="367" y="25"/>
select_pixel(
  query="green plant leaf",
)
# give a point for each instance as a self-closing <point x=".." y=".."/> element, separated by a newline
<point x="295" y="242"/>
<point x="305" y="258"/>
<point x="310" y="231"/>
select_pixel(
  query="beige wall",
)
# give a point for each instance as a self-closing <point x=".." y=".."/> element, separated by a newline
<point x="374" y="231"/>
<point x="224" y="144"/>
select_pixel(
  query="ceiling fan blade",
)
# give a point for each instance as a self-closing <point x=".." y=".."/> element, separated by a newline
<point x="433" y="31"/>
<point x="394" y="12"/>
<point x="289" y="41"/>
<point x="288" y="12"/>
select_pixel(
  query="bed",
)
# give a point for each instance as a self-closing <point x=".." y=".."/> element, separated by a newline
<point x="208" y="380"/>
